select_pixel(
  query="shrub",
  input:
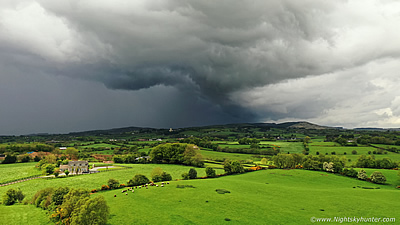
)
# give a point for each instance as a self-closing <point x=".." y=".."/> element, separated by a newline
<point x="210" y="172"/>
<point x="105" y="187"/>
<point x="166" y="176"/>
<point x="264" y="161"/>
<point x="43" y="198"/>
<point x="156" y="174"/>
<point x="56" y="172"/>
<point x="354" y="152"/>
<point x="378" y="177"/>
<point x="113" y="183"/>
<point x="272" y="167"/>
<point x="185" y="176"/>
<point x="12" y="196"/>
<point x="57" y="197"/>
<point x="362" y="175"/>
<point x="192" y="173"/>
<point x="352" y="173"/>
<point x="138" y="179"/>
<point x="157" y="178"/>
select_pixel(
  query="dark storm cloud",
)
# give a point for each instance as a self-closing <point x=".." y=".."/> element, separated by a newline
<point x="223" y="46"/>
<point x="217" y="54"/>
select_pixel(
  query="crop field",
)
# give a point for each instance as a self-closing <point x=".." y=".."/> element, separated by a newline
<point x="18" y="170"/>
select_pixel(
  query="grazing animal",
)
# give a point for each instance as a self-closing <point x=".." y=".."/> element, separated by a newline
<point x="115" y="195"/>
<point x="167" y="182"/>
<point x="126" y="193"/>
<point x="162" y="185"/>
<point x="157" y="185"/>
<point x="133" y="191"/>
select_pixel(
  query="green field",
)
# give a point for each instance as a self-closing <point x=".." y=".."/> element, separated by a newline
<point x="221" y="156"/>
<point x="285" y="147"/>
<point x="92" y="181"/>
<point x="15" y="171"/>
<point x="23" y="214"/>
<point x="261" y="197"/>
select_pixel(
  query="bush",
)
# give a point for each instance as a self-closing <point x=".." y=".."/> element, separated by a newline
<point x="43" y="198"/>
<point x="264" y="161"/>
<point x="362" y="175"/>
<point x="185" y="176"/>
<point x="12" y="196"/>
<point x="157" y="178"/>
<point x="104" y="187"/>
<point x="378" y="177"/>
<point x="354" y="152"/>
<point x="138" y="179"/>
<point x="192" y="173"/>
<point x="210" y="172"/>
<point x="166" y="176"/>
<point x="113" y="183"/>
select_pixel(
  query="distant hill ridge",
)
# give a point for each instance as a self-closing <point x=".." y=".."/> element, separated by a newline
<point x="298" y="125"/>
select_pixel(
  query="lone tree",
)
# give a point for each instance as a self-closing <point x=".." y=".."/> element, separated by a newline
<point x="378" y="177"/>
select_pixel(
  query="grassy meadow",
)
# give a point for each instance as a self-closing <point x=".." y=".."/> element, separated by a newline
<point x="261" y="197"/>
<point x="10" y="172"/>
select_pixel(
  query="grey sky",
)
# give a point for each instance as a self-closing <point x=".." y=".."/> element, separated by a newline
<point x="80" y="65"/>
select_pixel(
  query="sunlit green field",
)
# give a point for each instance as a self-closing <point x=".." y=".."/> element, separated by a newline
<point x="285" y="147"/>
<point x="261" y="197"/>
<point x="213" y="155"/>
<point x="14" y="171"/>
<point x="93" y="181"/>
<point x="23" y="214"/>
